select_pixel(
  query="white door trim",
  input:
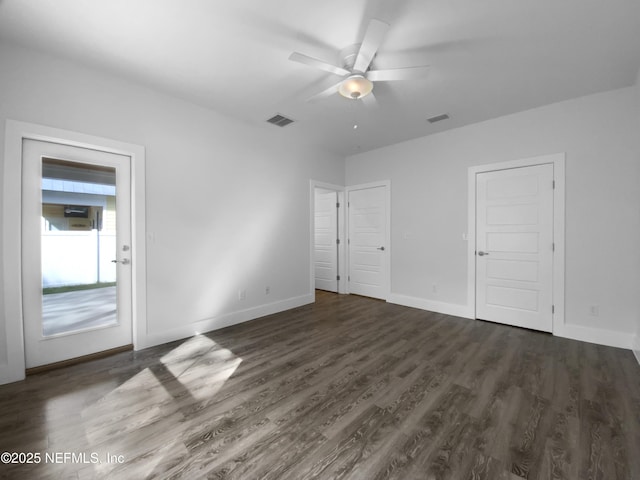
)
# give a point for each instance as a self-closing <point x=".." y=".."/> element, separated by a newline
<point x="313" y="184"/>
<point x="387" y="257"/>
<point x="13" y="367"/>
<point x="558" y="162"/>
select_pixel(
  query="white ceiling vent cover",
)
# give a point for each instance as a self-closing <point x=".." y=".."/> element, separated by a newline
<point x="438" y="118"/>
<point x="280" y="120"/>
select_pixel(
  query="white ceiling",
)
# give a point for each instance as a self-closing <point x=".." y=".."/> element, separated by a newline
<point x="488" y="58"/>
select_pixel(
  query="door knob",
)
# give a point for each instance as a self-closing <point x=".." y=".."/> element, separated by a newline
<point x="482" y="254"/>
<point x="380" y="248"/>
<point x="124" y="261"/>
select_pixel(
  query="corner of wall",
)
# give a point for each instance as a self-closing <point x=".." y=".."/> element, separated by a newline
<point x="636" y="348"/>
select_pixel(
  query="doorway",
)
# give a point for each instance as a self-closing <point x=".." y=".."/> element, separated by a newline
<point x="12" y="359"/>
<point x="516" y="242"/>
<point x="76" y="251"/>
<point x="326" y="240"/>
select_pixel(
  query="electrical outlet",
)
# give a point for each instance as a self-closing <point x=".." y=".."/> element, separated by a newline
<point x="267" y="290"/>
<point x="242" y="294"/>
<point x="434" y="288"/>
<point x="594" y="310"/>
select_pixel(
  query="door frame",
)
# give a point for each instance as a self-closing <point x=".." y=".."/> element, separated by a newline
<point x="342" y="284"/>
<point x="558" y="291"/>
<point x="15" y="132"/>
<point x="387" y="257"/>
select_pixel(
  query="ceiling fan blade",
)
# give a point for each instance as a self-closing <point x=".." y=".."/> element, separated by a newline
<point x="372" y="41"/>
<point x="325" y="93"/>
<point x="408" y="73"/>
<point x="314" y="62"/>
<point x="370" y="101"/>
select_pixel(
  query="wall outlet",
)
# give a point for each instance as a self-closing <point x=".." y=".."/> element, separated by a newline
<point x="434" y="288"/>
<point x="242" y="294"/>
<point x="267" y="290"/>
<point x="594" y="310"/>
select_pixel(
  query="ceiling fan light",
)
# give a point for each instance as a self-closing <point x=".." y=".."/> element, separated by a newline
<point x="355" y="87"/>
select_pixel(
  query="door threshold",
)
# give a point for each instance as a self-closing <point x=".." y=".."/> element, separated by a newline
<point x="74" y="361"/>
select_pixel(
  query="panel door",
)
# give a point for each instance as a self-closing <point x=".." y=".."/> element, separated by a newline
<point x="368" y="252"/>
<point x="326" y="235"/>
<point x="514" y="246"/>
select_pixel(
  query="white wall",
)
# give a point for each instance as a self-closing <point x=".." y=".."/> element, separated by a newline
<point x="429" y="204"/>
<point x="227" y="202"/>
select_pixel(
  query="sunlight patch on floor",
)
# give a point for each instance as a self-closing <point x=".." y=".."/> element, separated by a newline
<point x="130" y="419"/>
<point x="140" y="401"/>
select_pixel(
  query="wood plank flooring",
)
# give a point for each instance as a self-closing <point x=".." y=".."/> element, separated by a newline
<point x="347" y="388"/>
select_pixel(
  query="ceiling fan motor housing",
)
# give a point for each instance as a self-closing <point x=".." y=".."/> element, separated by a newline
<point x="347" y="56"/>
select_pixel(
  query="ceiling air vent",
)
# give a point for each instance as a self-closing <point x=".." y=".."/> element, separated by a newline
<point x="438" y="118"/>
<point x="280" y="120"/>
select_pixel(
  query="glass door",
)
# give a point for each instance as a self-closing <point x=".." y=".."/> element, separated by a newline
<point x="76" y="255"/>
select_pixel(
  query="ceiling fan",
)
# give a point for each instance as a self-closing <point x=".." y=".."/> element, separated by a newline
<point x="357" y="80"/>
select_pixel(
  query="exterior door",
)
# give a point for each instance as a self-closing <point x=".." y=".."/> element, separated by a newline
<point x="514" y="246"/>
<point x="76" y="257"/>
<point x="368" y="248"/>
<point x="326" y="240"/>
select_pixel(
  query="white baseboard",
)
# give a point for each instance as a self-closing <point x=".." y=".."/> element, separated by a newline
<point x="596" y="335"/>
<point x="222" y="321"/>
<point x="431" y="305"/>
<point x="574" y="332"/>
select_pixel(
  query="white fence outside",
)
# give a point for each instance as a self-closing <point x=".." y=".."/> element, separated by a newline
<point x="77" y="258"/>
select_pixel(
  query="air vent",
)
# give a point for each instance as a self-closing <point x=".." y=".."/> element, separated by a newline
<point x="280" y="120"/>
<point x="438" y="118"/>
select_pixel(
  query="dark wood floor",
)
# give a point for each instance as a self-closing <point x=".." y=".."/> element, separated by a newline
<point x="348" y="388"/>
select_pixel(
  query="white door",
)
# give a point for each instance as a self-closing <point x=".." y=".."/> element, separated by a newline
<point x="326" y="240"/>
<point x="514" y="246"/>
<point x="368" y="247"/>
<point x="76" y="257"/>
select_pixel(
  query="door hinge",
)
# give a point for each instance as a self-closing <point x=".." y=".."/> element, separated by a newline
<point x="338" y="205"/>
<point x="349" y="278"/>
<point x="553" y="184"/>
<point x="348" y="241"/>
<point x="553" y="309"/>
<point x="337" y="241"/>
<point x="338" y="278"/>
<point x="553" y="247"/>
